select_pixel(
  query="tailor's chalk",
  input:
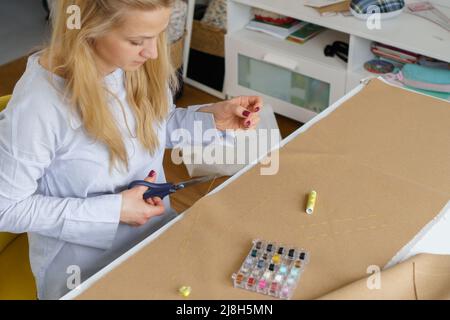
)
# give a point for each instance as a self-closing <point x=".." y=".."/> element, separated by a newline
<point x="185" y="291"/>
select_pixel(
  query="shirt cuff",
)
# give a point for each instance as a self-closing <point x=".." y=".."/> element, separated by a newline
<point x="205" y="121"/>
<point x="206" y="118"/>
<point x="226" y="137"/>
<point x="95" y="222"/>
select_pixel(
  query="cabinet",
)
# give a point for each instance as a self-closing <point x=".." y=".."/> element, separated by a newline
<point x="299" y="81"/>
<point x="292" y="78"/>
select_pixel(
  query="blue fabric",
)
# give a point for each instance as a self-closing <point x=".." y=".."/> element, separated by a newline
<point x="441" y="95"/>
<point x="419" y="73"/>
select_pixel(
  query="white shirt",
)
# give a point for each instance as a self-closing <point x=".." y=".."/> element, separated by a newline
<point x="55" y="182"/>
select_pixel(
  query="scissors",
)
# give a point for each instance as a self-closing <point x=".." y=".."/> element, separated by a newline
<point x="163" y="189"/>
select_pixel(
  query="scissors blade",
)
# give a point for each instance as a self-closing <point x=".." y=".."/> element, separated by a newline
<point x="195" y="181"/>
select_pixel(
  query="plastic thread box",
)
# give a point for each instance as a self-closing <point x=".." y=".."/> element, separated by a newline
<point x="271" y="269"/>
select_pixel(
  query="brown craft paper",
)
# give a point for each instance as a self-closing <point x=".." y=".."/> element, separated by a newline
<point x="424" y="276"/>
<point x="380" y="165"/>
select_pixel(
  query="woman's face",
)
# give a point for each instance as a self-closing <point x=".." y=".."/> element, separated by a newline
<point x="129" y="46"/>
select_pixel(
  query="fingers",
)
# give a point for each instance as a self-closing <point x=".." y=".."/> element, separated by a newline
<point x="241" y="112"/>
<point x="248" y="105"/>
<point x="149" y="211"/>
<point x="158" y="202"/>
<point x="249" y="119"/>
<point x="153" y="201"/>
<point x="251" y="122"/>
<point x="156" y="209"/>
<point x="255" y="103"/>
<point x="150" y="178"/>
<point x="248" y="108"/>
<point x="251" y="103"/>
<point x="254" y="123"/>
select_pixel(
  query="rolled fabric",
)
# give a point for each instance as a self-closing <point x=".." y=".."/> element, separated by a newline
<point x="425" y="78"/>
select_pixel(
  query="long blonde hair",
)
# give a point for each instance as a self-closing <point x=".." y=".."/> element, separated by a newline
<point x="71" y="55"/>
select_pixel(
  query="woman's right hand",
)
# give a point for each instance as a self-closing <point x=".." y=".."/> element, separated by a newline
<point x="135" y="210"/>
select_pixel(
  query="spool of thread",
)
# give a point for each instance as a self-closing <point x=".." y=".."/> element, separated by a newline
<point x="379" y="66"/>
<point x="311" y="202"/>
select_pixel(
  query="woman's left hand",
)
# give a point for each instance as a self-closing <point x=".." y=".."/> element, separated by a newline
<point x="238" y="113"/>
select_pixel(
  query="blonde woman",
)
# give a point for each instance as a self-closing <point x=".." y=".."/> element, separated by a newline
<point x="92" y="113"/>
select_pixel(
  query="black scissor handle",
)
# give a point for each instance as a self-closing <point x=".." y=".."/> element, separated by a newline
<point x="154" y="189"/>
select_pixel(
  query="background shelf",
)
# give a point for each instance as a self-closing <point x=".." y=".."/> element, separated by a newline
<point x="311" y="50"/>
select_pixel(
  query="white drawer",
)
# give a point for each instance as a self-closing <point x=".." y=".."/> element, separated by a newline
<point x="296" y="86"/>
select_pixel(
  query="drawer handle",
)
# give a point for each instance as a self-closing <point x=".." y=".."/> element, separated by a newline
<point x="280" y="61"/>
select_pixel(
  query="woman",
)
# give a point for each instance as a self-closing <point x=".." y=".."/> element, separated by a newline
<point x="92" y="113"/>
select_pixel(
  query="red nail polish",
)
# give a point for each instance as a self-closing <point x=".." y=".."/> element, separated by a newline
<point x="246" y="113"/>
<point x="247" y="123"/>
<point x="152" y="174"/>
<point x="256" y="109"/>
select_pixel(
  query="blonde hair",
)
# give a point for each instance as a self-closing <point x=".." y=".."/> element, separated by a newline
<point x="71" y="55"/>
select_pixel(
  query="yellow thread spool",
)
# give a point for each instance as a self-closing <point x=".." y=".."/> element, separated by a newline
<point x="311" y="202"/>
<point x="185" y="291"/>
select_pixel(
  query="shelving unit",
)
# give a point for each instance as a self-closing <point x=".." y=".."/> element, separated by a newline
<point x="308" y="51"/>
<point x="406" y="31"/>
